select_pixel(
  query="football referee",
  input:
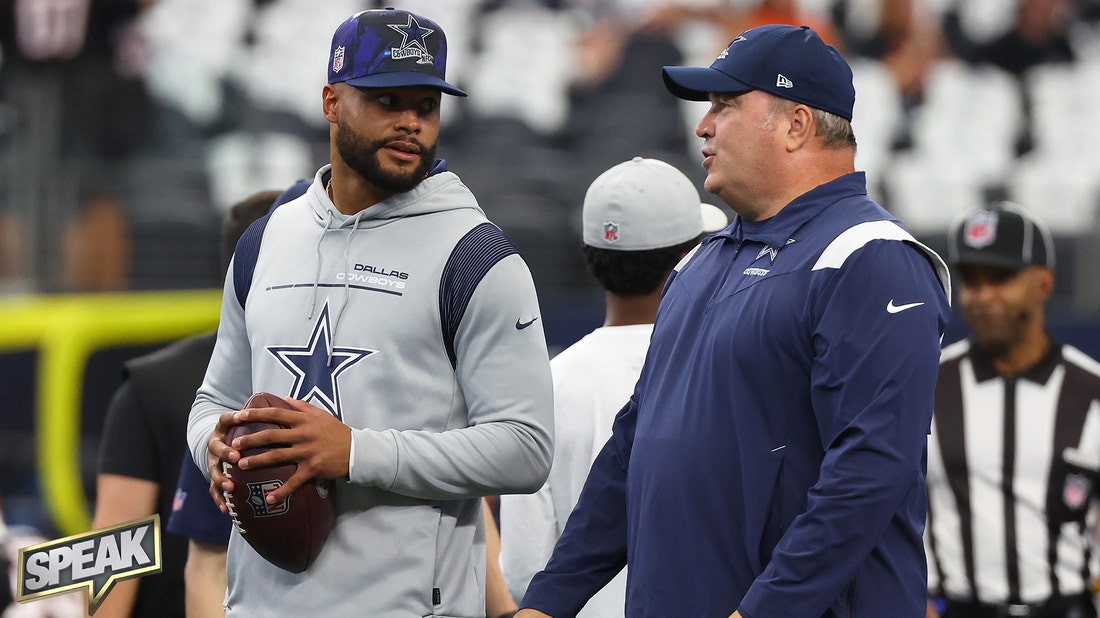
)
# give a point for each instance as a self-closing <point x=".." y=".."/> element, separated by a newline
<point x="1015" y="445"/>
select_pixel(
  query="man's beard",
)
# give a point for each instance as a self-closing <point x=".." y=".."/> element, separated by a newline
<point x="362" y="157"/>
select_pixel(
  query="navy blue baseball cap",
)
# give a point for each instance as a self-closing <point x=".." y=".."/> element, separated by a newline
<point x="390" y="48"/>
<point x="789" y="62"/>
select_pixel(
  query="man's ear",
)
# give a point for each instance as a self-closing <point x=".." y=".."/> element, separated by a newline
<point x="802" y="128"/>
<point x="329" y="100"/>
<point x="1046" y="282"/>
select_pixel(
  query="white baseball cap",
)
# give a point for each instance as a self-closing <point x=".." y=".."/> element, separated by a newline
<point x="645" y="204"/>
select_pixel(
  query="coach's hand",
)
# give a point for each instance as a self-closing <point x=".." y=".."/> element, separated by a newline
<point x="531" y="613"/>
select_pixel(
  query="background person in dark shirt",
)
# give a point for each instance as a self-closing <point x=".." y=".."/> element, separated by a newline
<point x="143" y="445"/>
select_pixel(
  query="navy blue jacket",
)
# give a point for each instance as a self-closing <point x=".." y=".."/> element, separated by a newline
<point x="772" y="457"/>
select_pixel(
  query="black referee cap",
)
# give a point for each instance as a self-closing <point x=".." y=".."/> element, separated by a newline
<point x="1004" y="235"/>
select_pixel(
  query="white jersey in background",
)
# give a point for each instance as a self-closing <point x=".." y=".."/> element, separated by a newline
<point x="593" y="379"/>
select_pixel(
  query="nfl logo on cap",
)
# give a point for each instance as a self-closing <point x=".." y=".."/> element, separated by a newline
<point x="338" y="59"/>
<point x="611" y="231"/>
<point x="981" y="230"/>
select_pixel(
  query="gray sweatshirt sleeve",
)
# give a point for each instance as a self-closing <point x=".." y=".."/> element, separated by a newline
<point x="503" y="371"/>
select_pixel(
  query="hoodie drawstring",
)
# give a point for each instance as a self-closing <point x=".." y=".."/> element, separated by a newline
<point x="317" y="275"/>
<point x="347" y="285"/>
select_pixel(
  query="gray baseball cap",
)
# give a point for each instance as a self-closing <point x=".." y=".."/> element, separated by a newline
<point x="645" y="204"/>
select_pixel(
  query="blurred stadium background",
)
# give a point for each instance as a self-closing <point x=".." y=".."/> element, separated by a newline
<point x="127" y="127"/>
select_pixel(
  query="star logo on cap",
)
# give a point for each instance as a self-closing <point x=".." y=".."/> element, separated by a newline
<point x="412" y="34"/>
<point x="726" y="51"/>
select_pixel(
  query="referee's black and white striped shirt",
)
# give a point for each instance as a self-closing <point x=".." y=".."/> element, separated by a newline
<point x="1012" y="477"/>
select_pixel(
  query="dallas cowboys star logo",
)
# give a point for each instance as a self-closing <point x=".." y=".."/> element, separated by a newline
<point x="771" y="252"/>
<point x="412" y="34"/>
<point x="315" y="377"/>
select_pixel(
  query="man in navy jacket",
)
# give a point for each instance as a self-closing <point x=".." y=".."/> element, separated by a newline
<point x="771" y="461"/>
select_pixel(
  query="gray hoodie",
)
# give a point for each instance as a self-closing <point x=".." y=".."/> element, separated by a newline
<point x="416" y="324"/>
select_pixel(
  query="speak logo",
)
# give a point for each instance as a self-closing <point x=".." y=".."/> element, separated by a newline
<point x="95" y="560"/>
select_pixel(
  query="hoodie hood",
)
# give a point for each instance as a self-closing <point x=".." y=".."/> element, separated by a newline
<point x="444" y="186"/>
<point x="441" y="191"/>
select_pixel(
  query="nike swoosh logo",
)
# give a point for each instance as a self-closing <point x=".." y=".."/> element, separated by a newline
<point x="892" y="308"/>
<point x="523" y="325"/>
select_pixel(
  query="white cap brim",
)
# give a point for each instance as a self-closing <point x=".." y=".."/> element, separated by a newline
<point x="714" y="219"/>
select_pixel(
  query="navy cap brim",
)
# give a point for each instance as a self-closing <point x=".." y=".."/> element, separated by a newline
<point x="403" y="79"/>
<point x="697" y="83"/>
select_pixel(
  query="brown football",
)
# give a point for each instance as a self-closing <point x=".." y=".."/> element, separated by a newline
<point x="289" y="534"/>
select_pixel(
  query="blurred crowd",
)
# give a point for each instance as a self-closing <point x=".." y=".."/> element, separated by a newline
<point x="128" y="126"/>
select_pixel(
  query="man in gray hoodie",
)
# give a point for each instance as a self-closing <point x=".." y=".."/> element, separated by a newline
<point x="404" y="329"/>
